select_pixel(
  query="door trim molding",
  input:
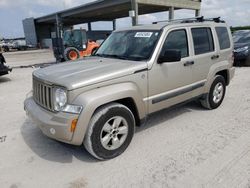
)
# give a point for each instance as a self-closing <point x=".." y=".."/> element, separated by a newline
<point x="174" y="93"/>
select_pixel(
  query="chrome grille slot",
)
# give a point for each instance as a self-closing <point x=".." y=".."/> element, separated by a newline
<point x="42" y="94"/>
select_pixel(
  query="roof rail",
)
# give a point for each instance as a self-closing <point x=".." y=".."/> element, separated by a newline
<point x="191" y="20"/>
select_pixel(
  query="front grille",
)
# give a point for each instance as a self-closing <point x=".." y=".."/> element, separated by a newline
<point x="42" y="94"/>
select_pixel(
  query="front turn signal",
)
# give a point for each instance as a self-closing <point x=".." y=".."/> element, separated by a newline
<point x="73" y="125"/>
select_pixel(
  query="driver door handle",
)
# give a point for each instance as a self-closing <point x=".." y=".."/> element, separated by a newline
<point x="188" y="63"/>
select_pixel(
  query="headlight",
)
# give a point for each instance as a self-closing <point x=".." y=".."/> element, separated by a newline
<point x="60" y="102"/>
<point x="241" y="49"/>
<point x="60" y="99"/>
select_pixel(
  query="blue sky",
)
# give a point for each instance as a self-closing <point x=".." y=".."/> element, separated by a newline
<point x="12" y="12"/>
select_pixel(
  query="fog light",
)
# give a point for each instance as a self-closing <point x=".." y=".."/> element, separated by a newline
<point x="73" y="125"/>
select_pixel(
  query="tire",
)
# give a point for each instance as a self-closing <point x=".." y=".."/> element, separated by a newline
<point x="71" y="53"/>
<point x="101" y="135"/>
<point x="216" y="94"/>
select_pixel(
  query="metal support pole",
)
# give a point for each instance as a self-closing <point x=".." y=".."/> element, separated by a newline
<point x="89" y="26"/>
<point x="114" y="24"/>
<point x="171" y="13"/>
<point x="59" y="40"/>
<point x="134" y="6"/>
<point x="58" y="26"/>
<point x="197" y="13"/>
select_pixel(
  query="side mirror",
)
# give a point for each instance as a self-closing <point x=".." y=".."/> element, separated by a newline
<point x="170" y="56"/>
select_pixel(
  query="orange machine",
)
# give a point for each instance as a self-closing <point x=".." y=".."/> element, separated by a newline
<point x="73" y="45"/>
<point x="72" y="53"/>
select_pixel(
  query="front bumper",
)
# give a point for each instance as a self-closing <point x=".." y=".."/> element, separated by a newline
<point x="54" y="125"/>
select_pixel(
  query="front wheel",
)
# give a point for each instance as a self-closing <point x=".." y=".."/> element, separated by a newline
<point x="216" y="94"/>
<point x="110" y="131"/>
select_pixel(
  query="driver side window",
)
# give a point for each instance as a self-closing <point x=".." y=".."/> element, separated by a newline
<point x="177" y="40"/>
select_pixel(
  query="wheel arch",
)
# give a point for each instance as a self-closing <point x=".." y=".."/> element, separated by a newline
<point x="126" y="94"/>
<point x="225" y="74"/>
<point x="221" y="68"/>
<point x="130" y="103"/>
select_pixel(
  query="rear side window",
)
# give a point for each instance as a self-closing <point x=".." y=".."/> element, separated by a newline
<point x="177" y="40"/>
<point x="203" y="40"/>
<point x="223" y="37"/>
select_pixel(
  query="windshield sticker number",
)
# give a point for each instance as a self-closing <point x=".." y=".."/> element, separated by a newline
<point x="143" y="34"/>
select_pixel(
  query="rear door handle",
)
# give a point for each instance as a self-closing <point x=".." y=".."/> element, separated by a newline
<point x="215" y="57"/>
<point x="188" y="63"/>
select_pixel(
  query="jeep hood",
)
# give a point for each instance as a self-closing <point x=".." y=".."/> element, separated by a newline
<point x="92" y="70"/>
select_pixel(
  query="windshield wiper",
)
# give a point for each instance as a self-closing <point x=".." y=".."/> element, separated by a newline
<point x="121" y="57"/>
<point x="99" y="55"/>
<point x="112" y="56"/>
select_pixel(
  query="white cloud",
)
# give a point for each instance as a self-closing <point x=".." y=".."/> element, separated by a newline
<point x="28" y="3"/>
<point x="234" y="12"/>
<point x="34" y="14"/>
<point x="48" y="3"/>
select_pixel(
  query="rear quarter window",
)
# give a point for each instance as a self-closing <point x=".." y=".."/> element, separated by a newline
<point x="223" y="37"/>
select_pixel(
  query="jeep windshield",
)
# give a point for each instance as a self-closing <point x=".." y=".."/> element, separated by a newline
<point x="129" y="45"/>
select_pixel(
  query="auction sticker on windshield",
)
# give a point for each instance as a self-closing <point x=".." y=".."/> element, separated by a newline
<point x="143" y="34"/>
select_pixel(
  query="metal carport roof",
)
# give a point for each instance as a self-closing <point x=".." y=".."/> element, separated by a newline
<point x="108" y="10"/>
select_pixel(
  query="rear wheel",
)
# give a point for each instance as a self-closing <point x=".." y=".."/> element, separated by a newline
<point x="110" y="131"/>
<point x="71" y="54"/>
<point x="216" y="94"/>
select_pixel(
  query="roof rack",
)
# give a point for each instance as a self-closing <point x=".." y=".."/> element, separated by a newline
<point x="192" y="20"/>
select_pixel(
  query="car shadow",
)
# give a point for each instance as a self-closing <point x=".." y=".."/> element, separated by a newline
<point x="49" y="149"/>
<point x="4" y="79"/>
<point x="170" y="113"/>
<point x="55" y="151"/>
